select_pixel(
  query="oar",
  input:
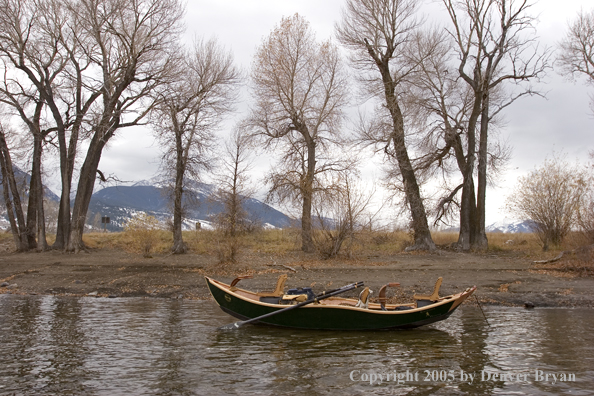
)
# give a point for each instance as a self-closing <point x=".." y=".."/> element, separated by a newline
<point x="319" y="297"/>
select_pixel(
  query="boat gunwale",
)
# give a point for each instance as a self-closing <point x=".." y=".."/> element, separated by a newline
<point x="443" y="300"/>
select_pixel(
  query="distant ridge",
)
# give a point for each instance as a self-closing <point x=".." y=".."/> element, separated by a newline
<point x="512" y="227"/>
<point x="505" y="226"/>
<point x="121" y="203"/>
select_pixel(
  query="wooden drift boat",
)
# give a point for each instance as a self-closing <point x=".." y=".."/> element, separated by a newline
<point x="301" y="309"/>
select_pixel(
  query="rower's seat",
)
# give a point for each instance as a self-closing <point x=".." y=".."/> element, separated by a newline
<point x="280" y="286"/>
<point x="382" y="294"/>
<point x="431" y="297"/>
<point x="364" y="298"/>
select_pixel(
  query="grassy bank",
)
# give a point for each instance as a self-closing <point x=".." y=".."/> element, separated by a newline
<point x="280" y="242"/>
<point x="284" y="241"/>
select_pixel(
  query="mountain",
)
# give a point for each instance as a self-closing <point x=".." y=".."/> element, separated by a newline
<point x="506" y="226"/>
<point x="120" y="203"/>
<point x="23" y="179"/>
<point x="511" y="227"/>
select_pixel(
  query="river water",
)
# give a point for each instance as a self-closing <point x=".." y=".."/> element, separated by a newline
<point x="134" y="346"/>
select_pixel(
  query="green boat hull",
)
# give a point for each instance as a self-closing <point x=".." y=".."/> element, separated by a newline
<point x="332" y="317"/>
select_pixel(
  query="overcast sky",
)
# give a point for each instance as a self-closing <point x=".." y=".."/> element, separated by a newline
<point x="535" y="127"/>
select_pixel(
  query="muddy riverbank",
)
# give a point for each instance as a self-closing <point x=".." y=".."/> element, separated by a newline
<point x="502" y="279"/>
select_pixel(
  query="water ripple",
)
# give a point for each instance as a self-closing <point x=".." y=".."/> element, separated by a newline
<point x="96" y="346"/>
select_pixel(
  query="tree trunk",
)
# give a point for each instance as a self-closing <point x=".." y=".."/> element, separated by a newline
<point x="9" y="212"/>
<point x="41" y="236"/>
<point x="420" y="226"/>
<point x="63" y="226"/>
<point x="179" y="247"/>
<point x="35" y="213"/>
<point x="307" y="244"/>
<point x="86" y="184"/>
<point x="480" y="239"/>
<point x="233" y="208"/>
<point x="467" y="213"/>
<point x="468" y="216"/>
<point x="12" y="198"/>
<point x="34" y="190"/>
<point x="66" y="168"/>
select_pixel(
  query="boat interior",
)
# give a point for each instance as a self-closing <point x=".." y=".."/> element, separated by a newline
<point x="279" y="296"/>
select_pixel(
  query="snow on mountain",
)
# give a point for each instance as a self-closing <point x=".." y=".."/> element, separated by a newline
<point x="508" y="226"/>
<point x="120" y="203"/>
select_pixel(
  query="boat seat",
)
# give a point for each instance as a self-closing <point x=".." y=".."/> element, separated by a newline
<point x="364" y="298"/>
<point x="382" y="294"/>
<point x="236" y="280"/>
<point x="295" y="298"/>
<point x="431" y="297"/>
<point x="280" y="286"/>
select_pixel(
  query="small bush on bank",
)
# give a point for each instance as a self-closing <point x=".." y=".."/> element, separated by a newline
<point x="144" y="233"/>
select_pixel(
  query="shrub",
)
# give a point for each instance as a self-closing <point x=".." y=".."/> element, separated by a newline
<point x="144" y="231"/>
<point x="550" y="196"/>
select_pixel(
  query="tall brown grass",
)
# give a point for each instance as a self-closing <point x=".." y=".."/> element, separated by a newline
<point x="288" y="241"/>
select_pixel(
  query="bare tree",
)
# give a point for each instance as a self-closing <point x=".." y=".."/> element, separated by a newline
<point x="45" y="44"/>
<point x="341" y="213"/>
<point x="189" y="108"/>
<point x="233" y="183"/>
<point x="493" y="45"/>
<point x="234" y="191"/>
<point x="550" y="196"/>
<point x="439" y="103"/>
<point x="576" y="55"/>
<point x="300" y="88"/>
<point x="34" y="63"/>
<point x="130" y="45"/>
<point x="378" y="33"/>
<point x="90" y="64"/>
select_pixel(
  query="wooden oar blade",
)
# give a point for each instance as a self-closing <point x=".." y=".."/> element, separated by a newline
<point x="231" y="326"/>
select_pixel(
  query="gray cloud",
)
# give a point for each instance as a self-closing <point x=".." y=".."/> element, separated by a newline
<point x="535" y="127"/>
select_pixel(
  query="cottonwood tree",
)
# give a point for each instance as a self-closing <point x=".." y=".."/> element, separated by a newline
<point x="299" y="88"/>
<point x="576" y="49"/>
<point x="130" y="45"/>
<point x="34" y="62"/>
<point x="378" y="33"/>
<point x="91" y="65"/>
<point x="495" y="44"/>
<point x="44" y="43"/>
<point x="551" y="197"/>
<point x="189" y="108"/>
<point x="439" y="103"/>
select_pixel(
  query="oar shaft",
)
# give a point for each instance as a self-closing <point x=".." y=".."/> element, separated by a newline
<point x="319" y="297"/>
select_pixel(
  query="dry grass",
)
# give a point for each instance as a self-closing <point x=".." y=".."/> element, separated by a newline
<point x="577" y="262"/>
<point x="284" y="242"/>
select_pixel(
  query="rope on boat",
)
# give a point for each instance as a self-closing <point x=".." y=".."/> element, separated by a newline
<point x="479" y="304"/>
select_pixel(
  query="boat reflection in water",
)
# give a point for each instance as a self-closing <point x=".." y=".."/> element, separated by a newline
<point x="100" y="346"/>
